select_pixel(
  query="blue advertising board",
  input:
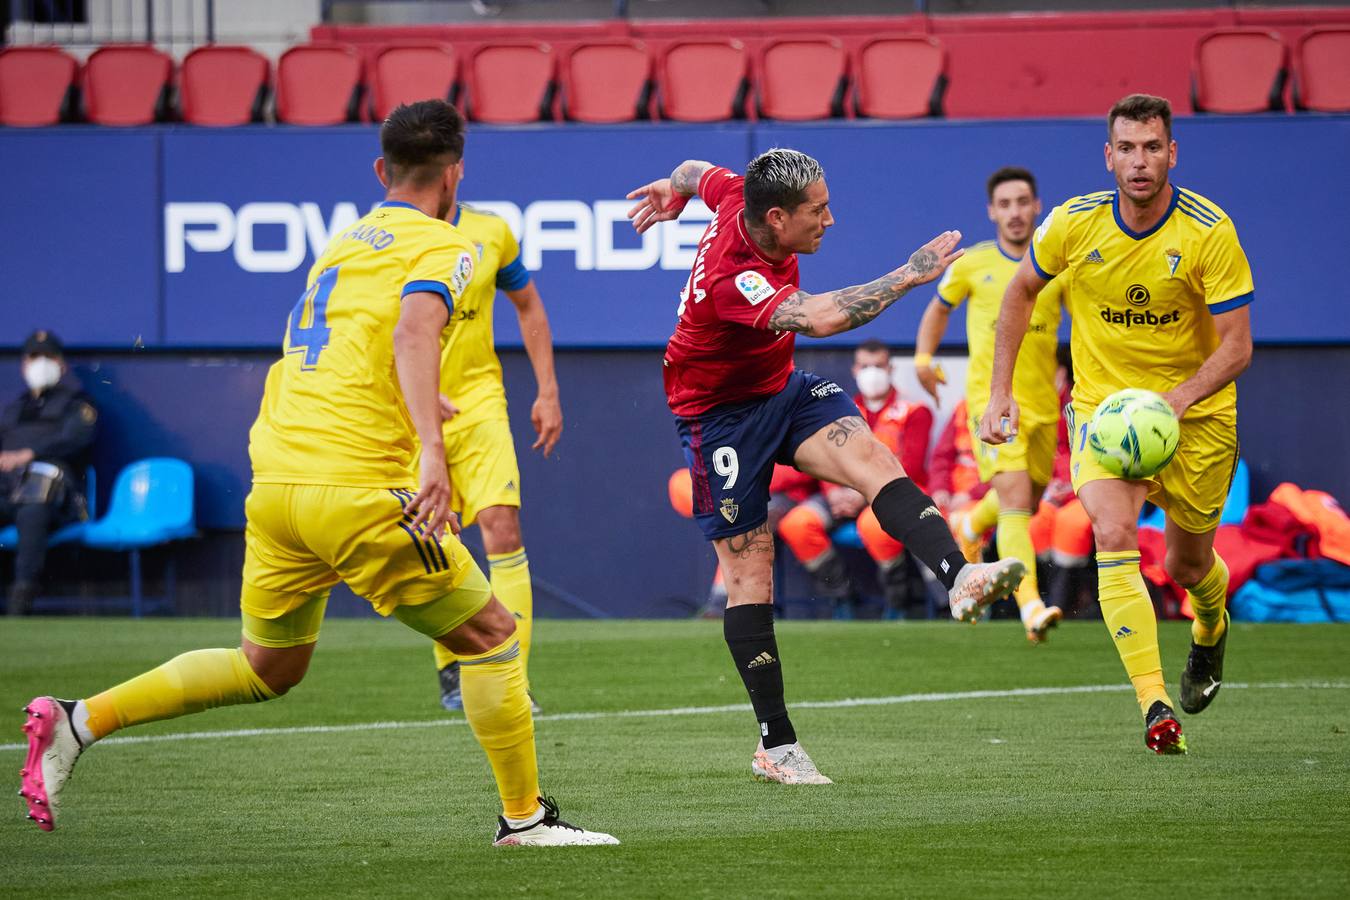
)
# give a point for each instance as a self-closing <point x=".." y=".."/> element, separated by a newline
<point x="80" y="217"/>
<point x="178" y="237"/>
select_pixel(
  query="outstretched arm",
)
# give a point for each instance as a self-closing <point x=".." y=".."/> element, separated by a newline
<point x="663" y="200"/>
<point x="1000" y="419"/>
<point x="821" y="315"/>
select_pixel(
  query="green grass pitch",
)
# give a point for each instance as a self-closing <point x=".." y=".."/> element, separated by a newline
<point x="1035" y="794"/>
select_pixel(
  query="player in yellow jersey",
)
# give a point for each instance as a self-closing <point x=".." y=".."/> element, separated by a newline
<point x="1159" y="300"/>
<point x="1020" y="469"/>
<point x="484" y="476"/>
<point x="335" y="496"/>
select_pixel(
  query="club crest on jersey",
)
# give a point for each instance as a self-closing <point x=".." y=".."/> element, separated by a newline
<point x="463" y="273"/>
<point x="730" y="510"/>
<point x="754" y="286"/>
<point x="1173" y="259"/>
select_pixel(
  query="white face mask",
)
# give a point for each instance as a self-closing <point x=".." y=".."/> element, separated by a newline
<point x="874" y="382"/>
<point x="41" y="373"/>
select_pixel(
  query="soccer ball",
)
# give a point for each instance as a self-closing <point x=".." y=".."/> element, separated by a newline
<point x="1134" y="433"/>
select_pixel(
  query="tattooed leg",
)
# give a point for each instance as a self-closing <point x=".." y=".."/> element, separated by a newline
<point x="747" y="566"/>
<point x="846" y="452"/>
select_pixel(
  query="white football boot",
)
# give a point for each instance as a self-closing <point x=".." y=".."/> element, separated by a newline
<point x="787" y="764"/>
<point x="549" y="831"/>
<point x="980" y="584"/>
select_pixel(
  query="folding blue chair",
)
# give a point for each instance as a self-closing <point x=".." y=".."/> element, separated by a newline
<point x="152" y="503"/>
<point x="9" y="536"/>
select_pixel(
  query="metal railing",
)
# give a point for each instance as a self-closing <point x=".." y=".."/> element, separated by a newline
<point x="175" y="25"/>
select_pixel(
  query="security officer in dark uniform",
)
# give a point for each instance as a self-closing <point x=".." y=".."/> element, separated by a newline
<point x="46" y="438"/>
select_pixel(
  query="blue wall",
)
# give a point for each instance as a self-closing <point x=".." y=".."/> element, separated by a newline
<point x="596" y="520"/>
<point x="180" y="237"/>
<point x="91" y="249"/>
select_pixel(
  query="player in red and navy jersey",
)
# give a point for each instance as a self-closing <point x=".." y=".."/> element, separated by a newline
<point x="742" y="406"/>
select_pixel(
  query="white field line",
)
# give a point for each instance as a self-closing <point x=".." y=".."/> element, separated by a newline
<point x="683" y="711"/>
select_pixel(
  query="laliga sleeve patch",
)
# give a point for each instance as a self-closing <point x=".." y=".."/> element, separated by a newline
<point x="463" y="273"/>
<point x="754" y="287"/>
<point x="1045" y="226"/>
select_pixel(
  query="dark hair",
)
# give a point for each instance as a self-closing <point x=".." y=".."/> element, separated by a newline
<point x="1010" y="173"/>
<point x="872" y="345"/>
<point x="419" y="140"/>
<point x="1140" y="108"/>
<point x="778" y="177"/>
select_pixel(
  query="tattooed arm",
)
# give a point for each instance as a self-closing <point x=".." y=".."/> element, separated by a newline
<point x="663" y="200"/>
<point x="821" y="315"/>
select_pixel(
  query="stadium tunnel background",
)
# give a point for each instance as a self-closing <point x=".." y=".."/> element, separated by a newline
<point x="596" y="518"/>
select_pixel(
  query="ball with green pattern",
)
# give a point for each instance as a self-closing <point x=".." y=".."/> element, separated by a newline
<point x="1134" y="433"/>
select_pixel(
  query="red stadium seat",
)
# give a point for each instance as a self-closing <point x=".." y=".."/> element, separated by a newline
<point x="127" y="84"/>
<point x="1324" y="70"/>
<point x="511" y="83"/>
<point x="36" y="85"/>
<point x="319" y="84"/>
<point x="803" y="79"/>
<point x="607" y="82"/>
<point x="900" y="77"/>
<point x="222" y="85"/>
<point x="1239" y="70"/>
<point x="407" y="73"/>
<point x="704" y="81"/>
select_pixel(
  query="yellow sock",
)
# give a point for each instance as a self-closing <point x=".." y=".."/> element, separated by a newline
<point x="1014" y="540"/>
<point x="499" y="714"/>
<point x="201" y="679"/>
<point x="1207" y="601"/>
<point x="1132" y="624"/>
<point x="983" y="516"/>
<point x="510" y="577"/>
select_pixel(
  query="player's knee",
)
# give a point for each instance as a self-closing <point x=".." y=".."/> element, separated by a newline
<point x="280" y="668"/>
<point x="882" y="465"/>
<point x="501" y="529"/>
<point x="489" y="628"/>
<point x="1186" y="569"/>
<point x="1116" y="536"/>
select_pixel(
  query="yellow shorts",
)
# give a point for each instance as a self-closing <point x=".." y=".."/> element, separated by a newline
<point x="1193" y="487"/>
<point x="1032" y="451"/>
<point x="483" y="469"/>
<point x="301" y="539"/>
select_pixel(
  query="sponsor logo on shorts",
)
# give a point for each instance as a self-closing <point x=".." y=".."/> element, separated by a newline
<point x="730" y="510"/>
<point x="825" y="389"/>
<point x="754" y="286"/>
